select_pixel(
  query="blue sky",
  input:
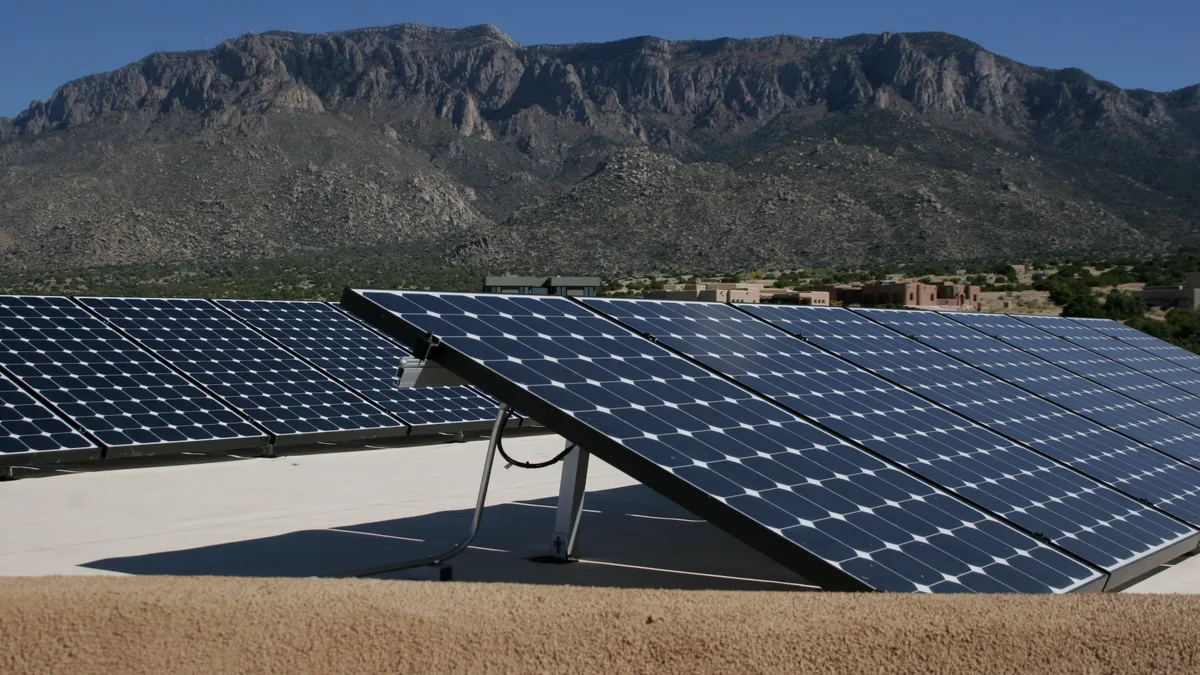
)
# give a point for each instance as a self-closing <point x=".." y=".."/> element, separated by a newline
<point x="1151" y="44"/>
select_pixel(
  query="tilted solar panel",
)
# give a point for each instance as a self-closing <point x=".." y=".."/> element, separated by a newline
<point x="836" y="514"/>
<point x="96" y="377"/>
<point x="1101" y="405"/>
<point x="1122" y="352"/>
<point x="362" y="360"/>
<point x="1096" y="523"/>
<point x="1088" y="364"/>
<point x="286" y="396"/>
<point x="32" y="433"/>
<point x="1096" y="451"/>
<point x="1147" y="343"/>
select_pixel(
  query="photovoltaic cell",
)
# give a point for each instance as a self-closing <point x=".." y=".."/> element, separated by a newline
<point x="361" y="359"/>
<point x="1147" y="343"/>
<point x="1088" y="364"/>
<point x="31" y="432"/>
<point x="827" y="508"/>
<point x="103" y="382"/>
<point x="1074" y="512"/>
<point x="1096" y="451"/>
<point x="1041" y="378"/>
<point x="288" y="397"/>
<point x="1122" y="352"/>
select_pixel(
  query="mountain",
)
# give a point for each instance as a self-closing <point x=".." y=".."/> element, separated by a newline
<point x="465" y="148"/>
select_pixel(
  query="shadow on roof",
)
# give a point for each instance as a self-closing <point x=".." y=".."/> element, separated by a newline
<point x="630" y="537"/>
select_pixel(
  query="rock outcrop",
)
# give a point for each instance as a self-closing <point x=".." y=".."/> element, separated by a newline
<point x="532" y="132"/>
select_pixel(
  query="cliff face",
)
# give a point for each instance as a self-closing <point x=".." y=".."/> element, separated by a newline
<point x="515" y="147"/>
<point x="479" y="73"/>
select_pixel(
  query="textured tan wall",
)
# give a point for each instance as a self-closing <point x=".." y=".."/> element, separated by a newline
<point x="220" y="625"/>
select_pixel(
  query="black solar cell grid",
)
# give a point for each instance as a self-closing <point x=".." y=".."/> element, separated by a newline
<point x="361" y="359"/>
<point x="1042" y="378"/>
<point x="29" y="431"/>
<point x="1147" y="343"/>
<point x="1122" y="352"/>
<point x="1061" y="434"/>
<point x="282" y="393"/>
<point x="826" y="507"/>
<point x="103" y="382"/>
<point x="1094" y="522"/>
<point x="1088" y="364"/>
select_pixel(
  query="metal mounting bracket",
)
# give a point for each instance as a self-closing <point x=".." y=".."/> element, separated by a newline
<point x="564" y="543"/>
<point x="439" y="560"/>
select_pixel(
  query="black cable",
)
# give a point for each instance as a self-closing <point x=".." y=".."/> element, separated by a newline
<point x="527" y="465"/>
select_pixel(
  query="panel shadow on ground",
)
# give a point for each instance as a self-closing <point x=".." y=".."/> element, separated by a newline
<point x="630" y="537"/>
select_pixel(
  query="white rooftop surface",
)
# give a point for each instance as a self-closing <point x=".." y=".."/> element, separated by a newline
<point x="325" y="513"/>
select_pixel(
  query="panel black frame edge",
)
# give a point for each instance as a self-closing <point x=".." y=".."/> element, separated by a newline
<point x="215" y="446"/>
<point x="1152" y="559"/>
<point x="774" y="546"/>
<point x="846" y="439"/>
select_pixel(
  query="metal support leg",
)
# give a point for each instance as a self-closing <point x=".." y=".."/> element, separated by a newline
<point x="564" y="544"/>
<point x="437" y="560"/>
<point x="7" y="473"/>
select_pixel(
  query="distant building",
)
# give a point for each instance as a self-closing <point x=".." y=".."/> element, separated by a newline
<point x="582" y="286"/>
<point x="783" y="297"/>
<point x="1185" y="296"/>
<point x="737" y="293"/>
<point x="945" y="295"/>
<point x="705" y="293"/>
<point x="1020" y="269"/>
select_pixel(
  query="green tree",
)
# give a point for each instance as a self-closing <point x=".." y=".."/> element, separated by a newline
<point x="1085" y="305"/>
<point x="1123" y="306"/>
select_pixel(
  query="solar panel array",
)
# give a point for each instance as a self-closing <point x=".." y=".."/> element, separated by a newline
<point x="877" y="449"/>
<point x="799" y="493"/>
<point x="121" y="395"/>
<point x="277" y="390"/>
<point x="1146" y="343"/>
<point x="1060" y="434"/>
<point x="1096" y="523"/>
<point x="361" y="359"/>
<point x="1088" y="364"/>
<point x="1121" y="352"/>
<point x="1103" y="406"/>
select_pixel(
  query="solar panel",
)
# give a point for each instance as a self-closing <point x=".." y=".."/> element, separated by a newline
<point x="1088" y="364"/>
<point x="1041" y="378"/>
<point x="1121" y="352"/>
<point x="96" y="377"/>
<point x="1108" y="457"/>
<point x="1147" y="343"/>
<point x="286" y="396"/>
<point x="1096" y="523"/>
<point x="32" y="433"/>
<point x="826" y="508"/>
<point x="362" y="360"/>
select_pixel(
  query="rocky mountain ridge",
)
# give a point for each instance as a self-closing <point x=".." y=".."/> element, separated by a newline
<point x="628" y="156"/>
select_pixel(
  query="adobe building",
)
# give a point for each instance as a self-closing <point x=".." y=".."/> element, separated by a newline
<point x="723" y="292"/>
<point x="944" y="295"/>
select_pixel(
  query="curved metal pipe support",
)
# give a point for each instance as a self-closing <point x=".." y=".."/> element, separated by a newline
<point x="497" y="429"/>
